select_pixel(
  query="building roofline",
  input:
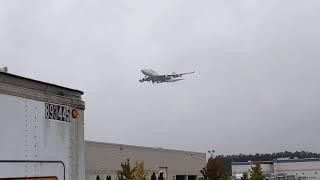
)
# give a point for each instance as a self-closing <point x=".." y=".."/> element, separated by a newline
<point x="295" y="160"/>
<point x="143" y="147"/>
<point x="279" y="161"/>
<point x="251" y="163"/>
<point x="28" y="83"/>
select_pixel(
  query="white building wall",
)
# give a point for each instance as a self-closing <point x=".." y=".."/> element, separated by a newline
<point x="303" y="168"/>
<point x="284" y="169"/>
<point x="238" y="169"/>
<point x="105" y="159"/>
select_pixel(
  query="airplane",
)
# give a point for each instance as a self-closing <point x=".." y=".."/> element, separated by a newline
<point x="153" y="76"/>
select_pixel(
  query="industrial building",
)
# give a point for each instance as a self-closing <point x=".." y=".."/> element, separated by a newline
<point x="104" y="159"/>
<point x="282" y="169"/>
<point x="239" y="168"/>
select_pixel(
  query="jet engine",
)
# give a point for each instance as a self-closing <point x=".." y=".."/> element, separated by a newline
<point x="174" y="74"/>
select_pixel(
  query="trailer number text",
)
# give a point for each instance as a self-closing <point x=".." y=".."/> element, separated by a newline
<point x="57" y="112"/>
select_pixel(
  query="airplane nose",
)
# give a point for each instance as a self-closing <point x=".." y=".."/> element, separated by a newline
<point x="143" y="71"/>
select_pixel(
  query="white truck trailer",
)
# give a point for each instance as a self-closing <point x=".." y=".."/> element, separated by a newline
<point x="41" y="130"/>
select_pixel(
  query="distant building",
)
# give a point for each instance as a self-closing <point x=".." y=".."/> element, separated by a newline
<point x="239" y="168"/>
<point x="283" y="169"/>
<point x="301" y="169"/>
<point x="104" y="159"/>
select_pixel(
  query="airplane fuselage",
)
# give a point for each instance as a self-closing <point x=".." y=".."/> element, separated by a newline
<point x="149" y="72"/>
<point x="153" y="76"/>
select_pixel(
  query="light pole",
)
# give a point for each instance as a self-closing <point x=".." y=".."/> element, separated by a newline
<point x="211" y="152"/>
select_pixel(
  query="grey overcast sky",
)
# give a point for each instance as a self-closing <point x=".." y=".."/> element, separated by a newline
<point x="256" y="87"/>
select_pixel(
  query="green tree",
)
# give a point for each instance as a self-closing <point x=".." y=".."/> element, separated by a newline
<point x="153" y="176"/>
<point x="213" y="170"/>
<point x="160" y="176"/>
<point x="126" y="172"/>
<point x="256" y="172"/>
<point x="141" y="173"/>
<point x="245" y="176"/>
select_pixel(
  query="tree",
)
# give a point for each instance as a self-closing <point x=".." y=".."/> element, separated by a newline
<point x="127" y="173"/>
<point x="245" y="176"/>
<point x="256" y="172"/>
<point x="213" y="170"/>
<point x="141" y="173"/>
<point x="160" y="176"/>
<point x="153" y="176"/>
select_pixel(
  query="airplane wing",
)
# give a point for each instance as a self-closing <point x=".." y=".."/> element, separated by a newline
<point x="186" y="73"/>
<point x="179" y="75"/>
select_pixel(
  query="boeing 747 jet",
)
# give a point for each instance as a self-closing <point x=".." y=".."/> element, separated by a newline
<point x="154" y="77"/>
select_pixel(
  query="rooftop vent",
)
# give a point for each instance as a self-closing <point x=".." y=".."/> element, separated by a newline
<point x="4" y="69"/>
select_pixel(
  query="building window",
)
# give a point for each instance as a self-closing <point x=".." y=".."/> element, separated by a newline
<point x="181" y="177"/>
<point x="281" y="177"/>
<point x="291" y="177"/>
<point x="192" y="177"/>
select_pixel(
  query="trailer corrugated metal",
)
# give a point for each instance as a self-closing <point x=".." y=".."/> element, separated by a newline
<point x="41" y="131"/>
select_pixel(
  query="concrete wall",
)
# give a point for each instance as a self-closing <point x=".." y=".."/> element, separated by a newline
<point x="105" y="159"/>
